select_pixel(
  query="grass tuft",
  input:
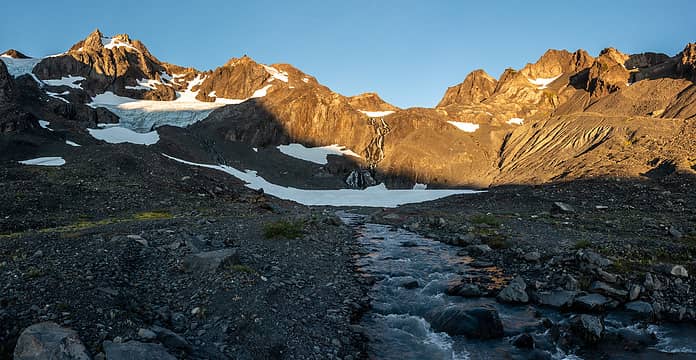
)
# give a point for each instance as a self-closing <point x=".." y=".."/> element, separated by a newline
<point x="283" y="229"/>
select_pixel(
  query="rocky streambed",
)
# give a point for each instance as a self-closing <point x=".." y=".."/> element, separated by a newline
<point x="434" y="301"/>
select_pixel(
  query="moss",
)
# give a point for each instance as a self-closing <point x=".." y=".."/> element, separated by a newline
<point x="152" y="215"/>
<point x="582" y="244"/>
<point x="33" y="272"/>
<point x="241" y="269"/>
<point x="283" y="229"/>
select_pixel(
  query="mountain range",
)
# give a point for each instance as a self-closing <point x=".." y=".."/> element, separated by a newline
<point x="568" y="115"/>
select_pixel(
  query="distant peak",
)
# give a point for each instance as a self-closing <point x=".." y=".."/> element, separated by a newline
<point x="14" y="54"/>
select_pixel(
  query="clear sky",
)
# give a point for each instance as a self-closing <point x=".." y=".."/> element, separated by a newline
<point x="407" y="51"/>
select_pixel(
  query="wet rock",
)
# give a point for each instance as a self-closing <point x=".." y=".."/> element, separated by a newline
<point x="588" y="327"/>
<point x="523" y="341"/>
<point x="557" y="298"/>
<point x="409" y="283"/>
<point x="134" y="350"/>
<point x="210" y="260"/>
<point x="479" y="249"/>
<point x="561" y="207"/>
<point x="480" y="322"/>
<point x="515" y="292"/>
<point x="464" y="290"/>
<point x="594" y="302"/>
<point x="641" y="308"/>
<point x="48" y="341"/>
<point x="606" y="289"/>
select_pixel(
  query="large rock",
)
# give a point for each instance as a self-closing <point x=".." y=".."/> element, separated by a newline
<point x="515" y="292"/>
<point x="594" y="302"/>
<point x="48" y="341"/>
<point x="557" y="298"/>
<point x="606" y="289"/>
<point x="134" y="350"/>
<point x="210" y="260"/>
<point x="480" y="322"/>
<point x="587" y="327"/>
<point x="640" y="308"/>
<point x="592" y="259"/>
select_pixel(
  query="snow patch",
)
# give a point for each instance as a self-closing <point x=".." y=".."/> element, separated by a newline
<point x="543" y="83"/>
<point x="19" y="67"/>
<point x="465" y="126"/>
<point x="45" y="161"/>
<point x="58" y="96"/>
<point x="145" y="84"/>
<point x="119" y="135"/>
<point x="44" y="124"/>
<point x="66" y="81"/>
<point x="306" y="80"/>
<point x="516" y="121"/>
<point x="418" y="186"/>
<point x="317" y="155"/>
<point x="276" y="74"/>
<point x="376" y="113"/>
<point x="72" y="143"/>
<point x="110" y="43"/>
<point x="376" y="196"/>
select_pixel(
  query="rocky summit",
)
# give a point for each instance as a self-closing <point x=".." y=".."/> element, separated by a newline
<point x="157" y="211"/>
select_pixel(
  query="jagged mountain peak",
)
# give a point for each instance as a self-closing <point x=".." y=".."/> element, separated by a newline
<point x="554" y="63"/>
<point x="12" y="53"/>
<point x="97" y="41"/>
<point x="476" y="87"/>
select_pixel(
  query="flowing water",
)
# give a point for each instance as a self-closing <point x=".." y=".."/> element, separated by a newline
<point x="397" y="324"/>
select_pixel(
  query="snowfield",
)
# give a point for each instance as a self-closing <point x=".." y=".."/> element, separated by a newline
<point x="375" y="196"/>
<point x="66" y="81"/>
<point x="19" y="67"/>
<point x="316" y="155"/>
<point x="45" y="161"/>
<point x="465" y="126"/>
<point x="543" y="83"/>
<point x="376" y="113"/>
<point x="119" y="135"/>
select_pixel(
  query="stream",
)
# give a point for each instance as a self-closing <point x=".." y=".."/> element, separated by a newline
<point x="397" y="327"/>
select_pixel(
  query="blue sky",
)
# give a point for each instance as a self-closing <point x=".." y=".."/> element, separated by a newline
<point x="407" y="51"/>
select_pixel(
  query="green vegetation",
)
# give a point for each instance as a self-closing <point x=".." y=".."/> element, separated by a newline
<point x="497" y="242"/>
<point x="76" y="229"/>
<point x="582" y="244"/>
<point x="241" y="269"/>
<point x="283" y="229"/>
<point x="33" y="273"/>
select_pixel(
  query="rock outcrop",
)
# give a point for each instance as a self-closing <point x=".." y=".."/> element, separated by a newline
<point x="476" y="87"/>
<point x="370" y="102"/>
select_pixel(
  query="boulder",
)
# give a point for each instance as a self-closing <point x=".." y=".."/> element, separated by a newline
<point x="557" y="298"/>
<point x="210" y="260"/>
<point x="605" y="289"/>
<point x="479" y="249"/>
<point x="171" y="339"/>
<point x="592" y="259"/>
<point x="523" y="341"/>
<point x="464" y="290"/>
<point x="48" y="341"/>
<point x="134" y="350"/>
<point x="587" y="327"/>
<point x="478" y="322"/>
<point x="515" y="292"/>
<point x="594" y="302"/>
<point x="640" y="308"/>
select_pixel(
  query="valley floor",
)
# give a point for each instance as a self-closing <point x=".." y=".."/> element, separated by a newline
<point x="105" y="249"/>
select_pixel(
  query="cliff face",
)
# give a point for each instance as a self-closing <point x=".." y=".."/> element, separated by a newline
<point x="12" y="117"/>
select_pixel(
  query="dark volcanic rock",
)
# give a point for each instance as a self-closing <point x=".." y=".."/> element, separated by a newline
<point x="587" y="327"/>
<point x="481" y="323"/>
